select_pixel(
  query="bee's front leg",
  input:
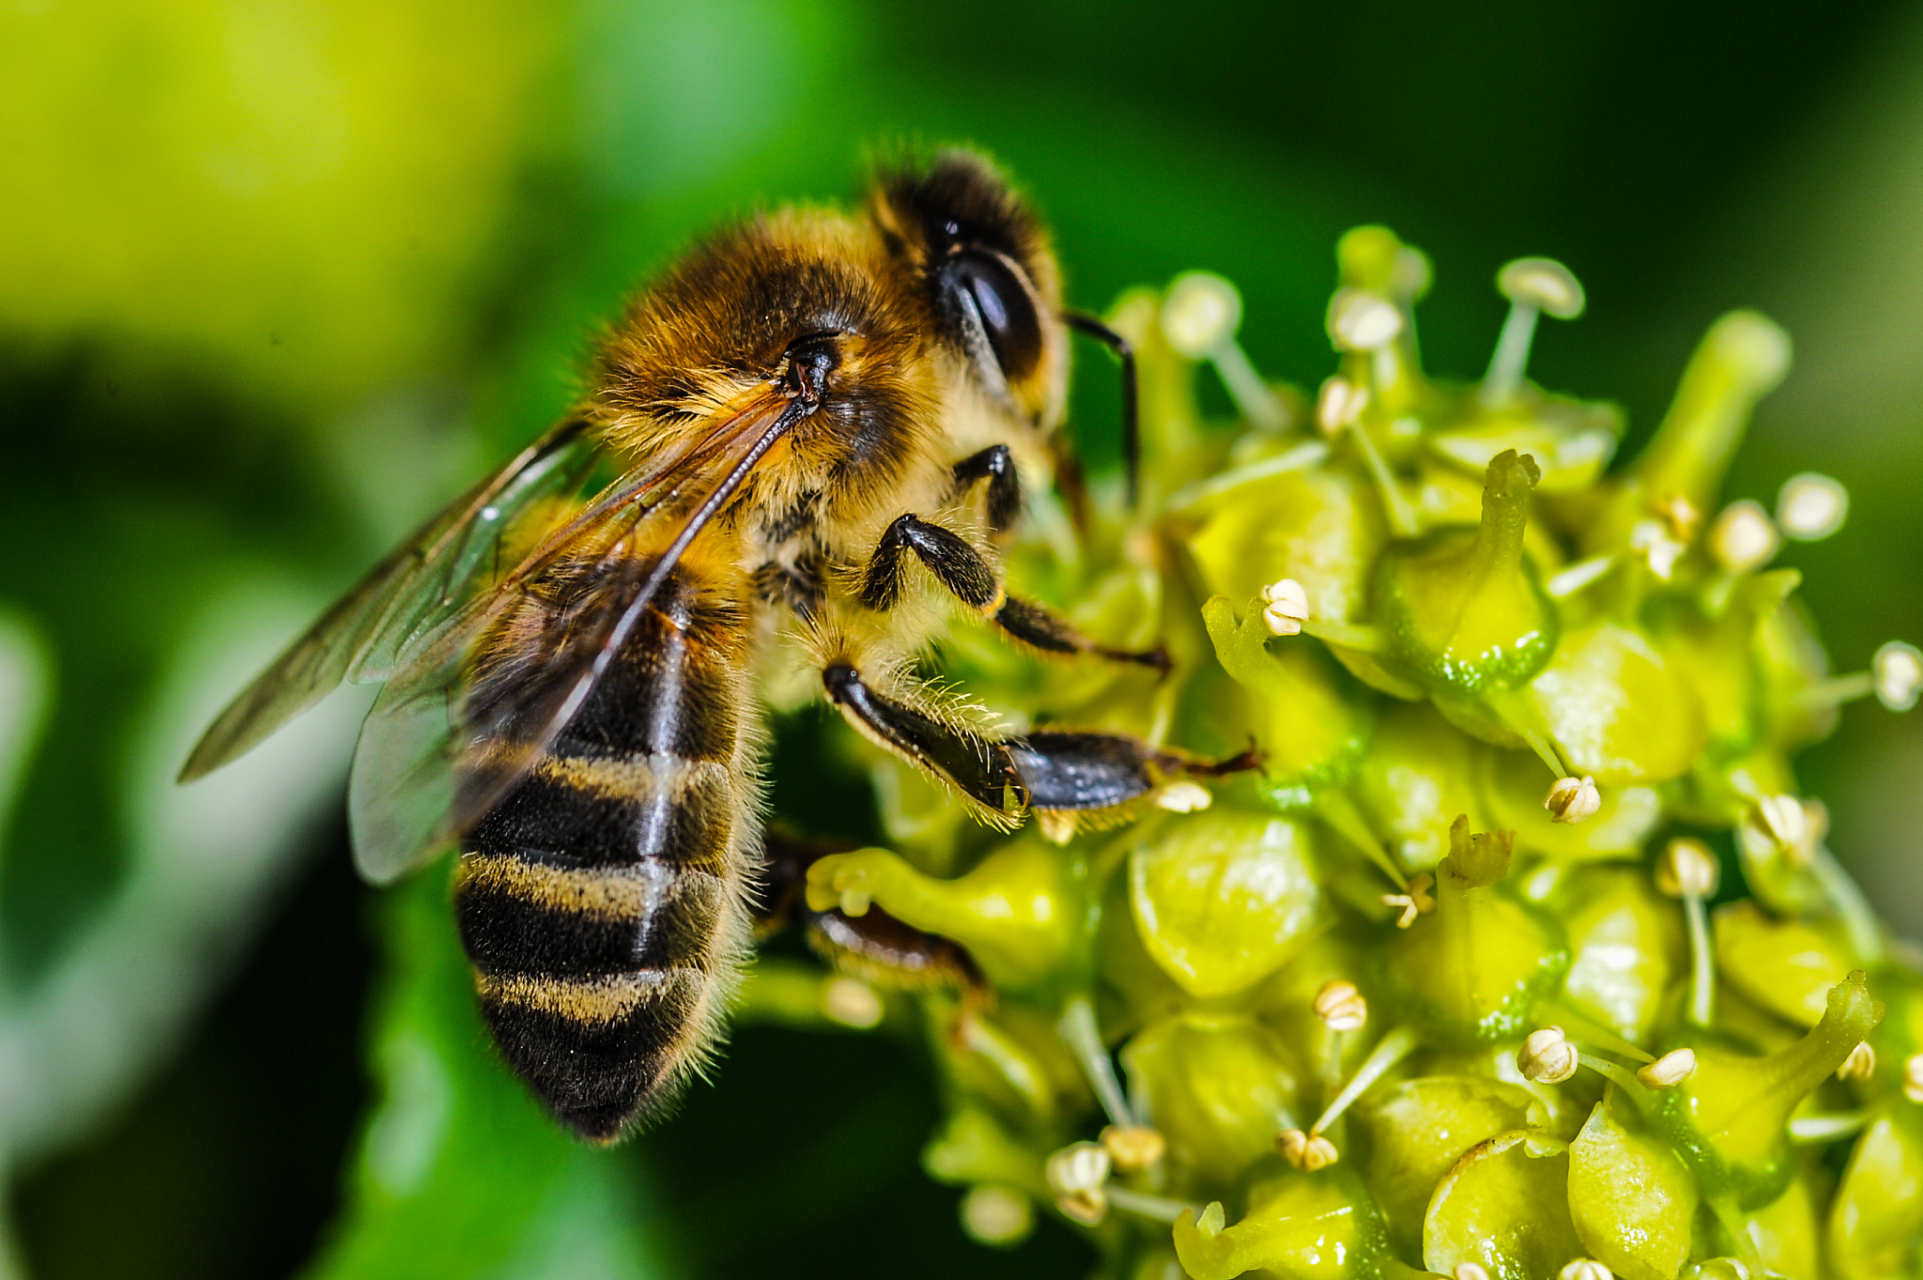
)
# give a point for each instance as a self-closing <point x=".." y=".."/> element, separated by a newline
<point x="968" y="576"/>
<point x="995" y="464"/>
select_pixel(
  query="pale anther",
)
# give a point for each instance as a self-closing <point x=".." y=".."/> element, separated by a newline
<point x="1542" y="283"/>
<point x="1362" y="321"/>
<point x="1285" y="607"/>
<point x="1076" y="1174"/>
<point x="1898" y="672"/>
<point x="1585" y="1269"/>
<point x="1306" y="1151"/>
<point x="1811" y="506"/>
<point x="1687" y="869"/>
<point x="1860" y="1065"/>
<point x="1571" y="800"/>
<point x="1339" y="403"/>
<point x="1783" y="820"/>
<point x="1669" y="1070"/>
<point x="1184" y="797"/>
<point x="851" y="1002"/>
<point x="1470" y="1271"/>
<point x="1132" y="1147"/>
<point x="1659" y="549"/>
<point x="1201" y="312"/>
<point x="1340" y="1006"/>
<point x="1411" y="274"/>
<point x="996" y="1215"/>
<point x="1681" y="515"/>
<point x="1913" y="1077"/>
<point x="1199" y="318"/>
<point x="1743" y="537"/>
<point x="1413" y="903"/>
<point x="1546" y="1057"/>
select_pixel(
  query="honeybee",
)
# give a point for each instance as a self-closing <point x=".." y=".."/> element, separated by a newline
<point x="569" y="673"/>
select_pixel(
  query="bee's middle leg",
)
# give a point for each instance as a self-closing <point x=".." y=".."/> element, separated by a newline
<point x="1050" y="771"/>
<point x="968" y="576"/>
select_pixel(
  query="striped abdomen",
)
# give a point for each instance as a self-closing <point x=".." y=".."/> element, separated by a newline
<point x="601" y="902"/>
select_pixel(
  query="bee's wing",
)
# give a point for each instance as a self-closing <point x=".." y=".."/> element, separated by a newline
<point x="430" y="575"/>
<point x="462" y="720"/>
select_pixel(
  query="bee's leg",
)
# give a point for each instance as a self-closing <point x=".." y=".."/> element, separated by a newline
<point x="875" y="946"/>
<point x="785" y="859"/>
<point x="968" y="576"/>
<point x="1131" y="413"/>
<point x="981" y="769"/>
<point x="995" y="464"/>
<point x="1049" y="771"/>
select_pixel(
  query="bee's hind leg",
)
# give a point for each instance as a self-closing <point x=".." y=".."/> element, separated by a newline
<point x="969" y="577"/>
<point x="874" y="946"/>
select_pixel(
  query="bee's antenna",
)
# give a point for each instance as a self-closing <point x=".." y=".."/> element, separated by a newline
<point x="1081" y="322"/>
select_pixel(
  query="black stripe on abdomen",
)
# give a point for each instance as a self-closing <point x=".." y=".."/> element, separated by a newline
<point x="597" y="1051"/>
<point x="599" y="900"/>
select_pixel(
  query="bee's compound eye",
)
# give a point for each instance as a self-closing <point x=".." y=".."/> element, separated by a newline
<point x="1006" y="309"/>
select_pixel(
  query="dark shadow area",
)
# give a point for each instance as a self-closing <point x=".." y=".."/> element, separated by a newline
<point x="229" y="1165"/>
<point x="802" y="1159"/>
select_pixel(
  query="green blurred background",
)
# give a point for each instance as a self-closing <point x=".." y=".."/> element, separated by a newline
<point x="276" y="278"/>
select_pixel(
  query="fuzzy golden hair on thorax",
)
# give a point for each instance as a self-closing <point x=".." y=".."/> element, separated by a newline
<point x="716" y="329"/>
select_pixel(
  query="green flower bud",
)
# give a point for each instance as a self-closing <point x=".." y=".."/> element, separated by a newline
<point x="1222" y="898"/>
<point x="1630" y="1198"/>
<point x="1898" y="1039"/>
<point x="1876" y="1219"/>
<point x="1569" y="440"/>
<point x="1715" y="655"/>
<point x="1418" y="1129"/>
<point x="1619" y="712"/>
<point x="1022" y="913"/>
<point x="1783" y="1232"/>
<point x="1512" y="786"/>
<point x="1418" y="775"/>
<point x="1219" y="1088"/>
<point x="1339" y="1016"/>
<point x="972" y="1147"/>
<point x="1625" y="947"/>
<point x="1729" y="1121"/>
<point x="1298" y="1226"/>
<point x="1461" y="609"/>
<point x="1505" y="1208"/>
<point x="1313" y="524"/>
<point x="1308" y="733"/>
<point x="1786" y="966"/>
<point x="1286" y="1002"/>
<point x="1471" y="970"/>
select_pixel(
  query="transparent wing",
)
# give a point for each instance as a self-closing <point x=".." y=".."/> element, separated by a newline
<point x="473" y="702"/>
<point x="432" y="574"/>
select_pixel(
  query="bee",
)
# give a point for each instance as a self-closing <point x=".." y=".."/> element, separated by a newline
<point x="569" y="672"/>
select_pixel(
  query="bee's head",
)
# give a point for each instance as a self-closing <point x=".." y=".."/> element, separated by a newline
<point x="982" y="266"/>
<point x="787" y="306"/>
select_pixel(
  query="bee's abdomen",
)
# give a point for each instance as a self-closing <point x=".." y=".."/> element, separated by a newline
<point x="601" y="901"/>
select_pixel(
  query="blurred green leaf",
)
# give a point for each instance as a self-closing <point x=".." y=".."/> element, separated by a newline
<point x="460" y="1174"/>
